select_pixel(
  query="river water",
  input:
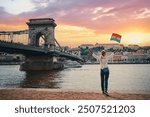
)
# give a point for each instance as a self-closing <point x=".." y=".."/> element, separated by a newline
<point x="123" y="77"/>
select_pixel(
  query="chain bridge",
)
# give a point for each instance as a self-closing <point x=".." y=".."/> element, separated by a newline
<point x="37" y="44"/>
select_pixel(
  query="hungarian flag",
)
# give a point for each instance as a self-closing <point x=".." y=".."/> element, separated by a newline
<point x="116" y="37"/>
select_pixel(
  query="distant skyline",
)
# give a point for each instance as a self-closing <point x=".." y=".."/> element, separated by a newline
<point x="83" y="21"/>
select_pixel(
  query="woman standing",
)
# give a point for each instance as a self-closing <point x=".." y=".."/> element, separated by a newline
<point x="104" y="70"/>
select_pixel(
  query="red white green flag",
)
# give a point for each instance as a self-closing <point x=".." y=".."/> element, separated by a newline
<point x="116" y="37"/>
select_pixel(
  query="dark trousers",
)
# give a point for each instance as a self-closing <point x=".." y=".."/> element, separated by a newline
<point x="104" y="79"/>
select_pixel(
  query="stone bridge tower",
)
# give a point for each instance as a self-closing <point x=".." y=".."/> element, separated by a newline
<point x="42" y="28"/>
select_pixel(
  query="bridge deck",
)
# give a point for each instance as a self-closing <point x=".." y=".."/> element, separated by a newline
<point x="19" y="48"/>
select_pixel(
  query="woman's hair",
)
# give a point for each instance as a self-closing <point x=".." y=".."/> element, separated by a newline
<point x="103" y="52"/>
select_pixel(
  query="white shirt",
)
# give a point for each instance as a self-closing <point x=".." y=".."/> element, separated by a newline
<point x="103" y="59"/>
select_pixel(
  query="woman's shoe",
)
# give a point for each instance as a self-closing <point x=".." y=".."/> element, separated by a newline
<point x="106" y="93"/>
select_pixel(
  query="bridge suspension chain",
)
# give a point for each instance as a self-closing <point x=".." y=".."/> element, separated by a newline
<point x="15" y="36"/>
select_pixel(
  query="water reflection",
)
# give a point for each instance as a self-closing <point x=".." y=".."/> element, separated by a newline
<point x="41" y="79"/>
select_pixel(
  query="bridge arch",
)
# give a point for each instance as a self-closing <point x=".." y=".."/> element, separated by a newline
<point x="42" y="28"/>
<point x="40" y="39"/>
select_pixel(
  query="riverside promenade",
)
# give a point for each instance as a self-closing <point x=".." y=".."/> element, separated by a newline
<point x="58" y="94"/>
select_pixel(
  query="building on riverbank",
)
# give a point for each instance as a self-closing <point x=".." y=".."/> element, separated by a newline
<point x="124" y="54"/>
<point x="130" y="58"/>
<point x="11" y="58"/>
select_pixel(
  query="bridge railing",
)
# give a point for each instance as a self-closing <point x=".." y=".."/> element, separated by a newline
<point x="57" y="49"/>
<point x="64" y="51"/>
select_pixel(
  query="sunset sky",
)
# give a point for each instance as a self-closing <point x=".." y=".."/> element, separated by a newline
<point x="83" y="21"/>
